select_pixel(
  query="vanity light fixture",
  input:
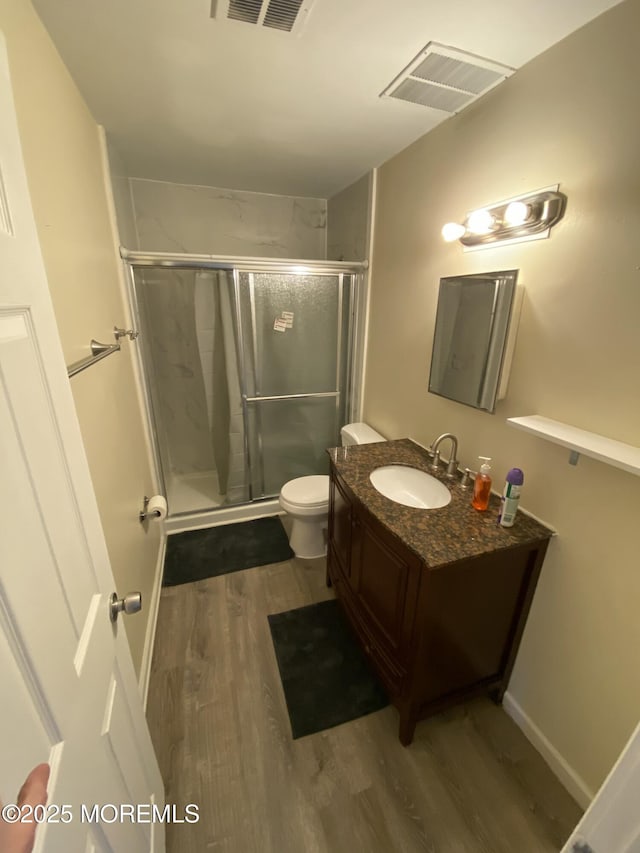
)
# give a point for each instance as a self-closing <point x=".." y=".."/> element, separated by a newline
<point x="452" y="231"/>
<point x="481" y="222"/>
<point x="517" y="213"/>
<point x="526" y="217"/>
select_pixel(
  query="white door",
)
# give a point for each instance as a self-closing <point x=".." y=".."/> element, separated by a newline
<point x="69" y="693"/>
<point x="611" y="824"/>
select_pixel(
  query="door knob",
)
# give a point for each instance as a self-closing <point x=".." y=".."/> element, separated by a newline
<point x="131" y="603"/>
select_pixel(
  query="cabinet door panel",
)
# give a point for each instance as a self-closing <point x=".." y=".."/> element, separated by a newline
<point x="389" y="669"/>
<point x="380" y="580"/>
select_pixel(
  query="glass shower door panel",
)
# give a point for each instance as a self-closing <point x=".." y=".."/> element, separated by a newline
<point x="288" y="439"/>
<point x="188" y="346"/>
<point x="292" y="325"/>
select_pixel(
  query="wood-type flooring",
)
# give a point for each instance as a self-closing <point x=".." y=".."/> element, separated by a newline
<point x="469" y="783"/>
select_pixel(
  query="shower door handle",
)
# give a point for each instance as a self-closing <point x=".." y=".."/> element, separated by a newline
<point x="279" y="397"/>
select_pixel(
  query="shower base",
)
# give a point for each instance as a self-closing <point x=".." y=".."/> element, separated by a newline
<point x="193" y="492"/>
<point x="224" y="515"/>
<point x="195" y="502"/>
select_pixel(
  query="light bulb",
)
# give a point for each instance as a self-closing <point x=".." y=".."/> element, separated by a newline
<point x="516" y="213"/>
<point x="452" y="231"/>
<point x="480" y="222"/>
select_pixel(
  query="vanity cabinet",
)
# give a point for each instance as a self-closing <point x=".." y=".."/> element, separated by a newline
<point x="435" y="636"/>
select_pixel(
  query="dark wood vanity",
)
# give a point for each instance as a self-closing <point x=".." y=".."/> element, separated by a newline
<point x="437" y="598"/>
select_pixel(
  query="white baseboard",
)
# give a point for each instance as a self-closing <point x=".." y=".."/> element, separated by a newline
<point x="149" y="640"/>
<point x="224" y="515"/>
<point x="574" y="784"/>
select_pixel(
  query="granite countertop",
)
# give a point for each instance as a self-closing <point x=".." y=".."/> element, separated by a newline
<point x="438" y="536"/>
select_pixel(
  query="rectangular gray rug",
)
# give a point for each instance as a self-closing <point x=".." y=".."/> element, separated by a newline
<point x="199" y="554"/>
<point x="325" y="675"/>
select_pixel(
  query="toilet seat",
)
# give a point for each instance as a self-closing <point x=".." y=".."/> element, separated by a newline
<point x="307" y="491"/>
<point x="306" y="495"/>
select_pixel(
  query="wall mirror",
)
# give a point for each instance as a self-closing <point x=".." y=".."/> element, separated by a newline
<point x="470" y="339"/>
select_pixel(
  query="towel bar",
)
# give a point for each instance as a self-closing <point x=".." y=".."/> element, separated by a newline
<point x="98" y="352"/>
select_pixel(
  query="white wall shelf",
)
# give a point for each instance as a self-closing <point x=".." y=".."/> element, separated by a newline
<point x="616" y="453"/>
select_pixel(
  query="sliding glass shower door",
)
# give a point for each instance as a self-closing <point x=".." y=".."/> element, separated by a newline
<point x="294" y="354"/>
<point x="188" y="324"/>
<point x="247" y="377"/>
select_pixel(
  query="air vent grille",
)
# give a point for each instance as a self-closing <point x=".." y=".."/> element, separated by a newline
<point x="282" y="14"/>
<point x="446" y="79"/>
<point x="288" y="16"/>
<point x="459" y="75"/>
<point x="245" y="10"/>
<point x="431" y="96"/>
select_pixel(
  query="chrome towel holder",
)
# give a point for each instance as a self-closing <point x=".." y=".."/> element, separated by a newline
<point x="100" y="350"/>
<point x="132" y="334"/>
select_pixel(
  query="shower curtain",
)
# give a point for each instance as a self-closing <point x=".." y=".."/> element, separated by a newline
<point x="217" y="346"/>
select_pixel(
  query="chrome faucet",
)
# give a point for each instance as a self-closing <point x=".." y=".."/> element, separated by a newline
<point x="452" y="464"/>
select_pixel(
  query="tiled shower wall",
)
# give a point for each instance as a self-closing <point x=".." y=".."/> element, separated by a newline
<point x="211" y="221"/>
<point x="349" y="221"/>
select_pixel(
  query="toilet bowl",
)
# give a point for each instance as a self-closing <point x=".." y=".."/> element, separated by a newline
<point x="306" y="500"/>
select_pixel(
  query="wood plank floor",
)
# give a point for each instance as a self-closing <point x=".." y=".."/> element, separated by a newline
<point x="469" y="783"/>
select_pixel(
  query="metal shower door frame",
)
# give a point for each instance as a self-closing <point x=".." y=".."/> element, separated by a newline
<point x="355" y="343"/>
<point x="260" y="398"/>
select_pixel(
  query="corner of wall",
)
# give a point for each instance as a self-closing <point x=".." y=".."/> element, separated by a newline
<point x="371" y="230"/>
<point x="574" y="783"/>
<point x="153" y="484"/>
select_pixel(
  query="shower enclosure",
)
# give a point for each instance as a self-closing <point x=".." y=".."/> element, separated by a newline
<point x="248" y="368"/>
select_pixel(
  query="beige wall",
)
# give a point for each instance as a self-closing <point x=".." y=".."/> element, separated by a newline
<point x="61" y="146"/>
<point x="571" y="117"/>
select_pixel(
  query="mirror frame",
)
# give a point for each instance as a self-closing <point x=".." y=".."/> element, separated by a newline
<point x="470" y="337"/>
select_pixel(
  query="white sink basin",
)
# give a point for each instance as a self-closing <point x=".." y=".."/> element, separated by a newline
<point x="410" y="486"/>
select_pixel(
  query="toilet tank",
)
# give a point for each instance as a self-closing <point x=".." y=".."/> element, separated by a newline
<point x="359" y="434"/>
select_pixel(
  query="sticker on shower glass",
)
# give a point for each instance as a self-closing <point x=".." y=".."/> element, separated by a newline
<point x="287" y="316"/>
<point x="279" y="325"/>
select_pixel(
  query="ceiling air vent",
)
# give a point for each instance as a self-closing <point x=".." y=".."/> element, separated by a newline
<point x="285" y="15"/>
<point x="446" y="79"/>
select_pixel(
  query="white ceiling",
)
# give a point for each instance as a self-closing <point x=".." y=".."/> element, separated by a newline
<point x="190" y="99"/>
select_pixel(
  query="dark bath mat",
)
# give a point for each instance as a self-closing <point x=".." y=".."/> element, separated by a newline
<point x="325" y="675"/>
<point x="214" y="551"/>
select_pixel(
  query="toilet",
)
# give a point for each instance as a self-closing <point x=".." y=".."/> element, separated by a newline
<point x="306" y="499"/>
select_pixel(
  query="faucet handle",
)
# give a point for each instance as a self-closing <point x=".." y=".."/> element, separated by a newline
<point x="466" y="478"/>
<point x="452" y="467"/>
<point x="436" y="460"/>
